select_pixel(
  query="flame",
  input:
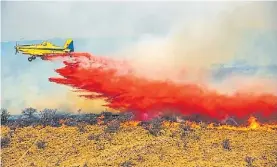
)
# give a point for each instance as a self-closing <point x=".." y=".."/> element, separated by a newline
<point x="100" y="120"/>
<point x="170" y="124"/>
<point x="130" y="123"/>
<point x="62" y="121"/>
<point x="253" y="123"/>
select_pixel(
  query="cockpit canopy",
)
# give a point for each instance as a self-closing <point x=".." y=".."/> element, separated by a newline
<point x="45" y="43"/>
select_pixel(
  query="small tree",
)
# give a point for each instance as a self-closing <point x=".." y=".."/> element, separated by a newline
<point x="28" y="117"/>
<point x="47" y="116"/>
<point x="4" y="116"/>
<point x="29" y="112"/>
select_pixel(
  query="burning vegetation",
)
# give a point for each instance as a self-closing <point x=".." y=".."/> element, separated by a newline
<point x="51" y="138"/>
<point x="51" y="117"/>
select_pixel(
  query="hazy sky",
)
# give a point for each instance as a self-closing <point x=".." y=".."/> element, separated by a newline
<point x="228" y="31"/>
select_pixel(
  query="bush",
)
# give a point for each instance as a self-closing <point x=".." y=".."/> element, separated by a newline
<point x="89" y="118"/>
<point x="100" y="146"/>
<point x="71" y="122"/>
<point x="108" y="116"/>
<point x="186" y="129"/>
<point x="154" y="126"/>
<point x="203" y="125"/>
<point x="170" y="118"/>
<point x="5" y="141"/>
<point x="123" y="117"/>
<point x="230" y="121"/>
<point x="226" y="144"/>
<point x="126" y="164"/>
<point x="249" y="161"/>
<point x="81" y="127"/>
<point x="47" y="116"/>
<point x="93" y="137"/>
<point x="4" y="116"/>
<point x="112" y="126"/>
<point x="41" y="144"/>
<point x="26" y="122"/>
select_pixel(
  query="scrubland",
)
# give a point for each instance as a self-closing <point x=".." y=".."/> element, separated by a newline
<point x="131" y="144"/>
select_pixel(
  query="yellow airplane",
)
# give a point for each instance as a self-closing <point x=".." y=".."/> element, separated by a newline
<point x="40" y="50"/>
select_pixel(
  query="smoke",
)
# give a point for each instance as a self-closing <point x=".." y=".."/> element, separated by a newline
<point x="174" y="72"/>
<point x="189" y="52"/>
<point x="28" y="90"/>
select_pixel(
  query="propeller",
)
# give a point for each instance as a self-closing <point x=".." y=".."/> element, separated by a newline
<point x="16" y="49"/>
<point x="16" y="44"/>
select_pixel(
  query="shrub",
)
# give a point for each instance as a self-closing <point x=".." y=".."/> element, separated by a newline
<point x="171" y="118"/>
<point x="4" y="116"/>
<point x="41" y="144"/>
<point x="5" y="141"/>
<point x="70" y="122"/>
<point x="230" y="121"/>
<point x="154" y="126"/>
<point x="108" y="116"/>
<point x="93" y="137"/>
<point x="100" y="146"/>
<point x="90" y="119"/>
<point x="112" y="126"/>
<point x="123" y="117"/>
<point x="126" y="164"/>
<point x="249" y="161"/>
<point x="226" y="144"/>
<point x="81" y="127"/>
<point x="186" y="129"/>
<point x="203" y="125"/>
<point x="47" y="116"/>
<point x="26" y="122"/>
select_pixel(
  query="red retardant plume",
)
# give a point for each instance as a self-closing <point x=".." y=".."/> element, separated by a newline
<point x="124" y="91"/>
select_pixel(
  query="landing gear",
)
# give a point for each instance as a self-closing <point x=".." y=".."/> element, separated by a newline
<point x="31" y="58"/>
<point x="42" y="58"/>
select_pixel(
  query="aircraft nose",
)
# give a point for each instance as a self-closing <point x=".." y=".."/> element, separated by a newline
<point x="16" y="49"/>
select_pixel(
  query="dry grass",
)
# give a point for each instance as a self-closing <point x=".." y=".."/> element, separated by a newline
<point x="135" y="146"/>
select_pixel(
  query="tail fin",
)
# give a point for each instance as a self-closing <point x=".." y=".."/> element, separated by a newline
<point x="69" y="45"/>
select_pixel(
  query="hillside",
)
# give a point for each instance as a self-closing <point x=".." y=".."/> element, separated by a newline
<point x="174" y="144"/>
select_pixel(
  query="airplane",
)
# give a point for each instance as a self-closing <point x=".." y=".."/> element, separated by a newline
<point x="40" y="50"/>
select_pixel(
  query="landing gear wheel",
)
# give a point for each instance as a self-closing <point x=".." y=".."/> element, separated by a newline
<point x="30" y="59"/>
<point x="33" y="57"/>
<point x="42" y="58"/>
